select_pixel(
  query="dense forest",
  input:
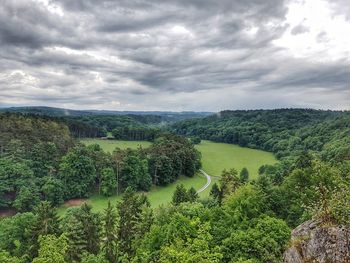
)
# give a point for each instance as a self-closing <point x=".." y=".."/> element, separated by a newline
<point x="285" y="132"/>
<point x="167" y="116"/>
<point x="126" y="125"/>
<point x="40" y="160"/>
<point x="243" y="220"/>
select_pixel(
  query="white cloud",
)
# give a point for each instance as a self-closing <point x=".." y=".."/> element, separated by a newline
<point x="326" y="36"/>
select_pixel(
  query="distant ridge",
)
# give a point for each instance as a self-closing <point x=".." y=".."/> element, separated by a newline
<point x="58" y="112"/>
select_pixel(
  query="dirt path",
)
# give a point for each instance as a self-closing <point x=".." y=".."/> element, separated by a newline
<point x="208" y="181"/>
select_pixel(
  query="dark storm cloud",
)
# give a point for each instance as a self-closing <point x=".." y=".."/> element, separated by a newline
<point x="154" y="55"/>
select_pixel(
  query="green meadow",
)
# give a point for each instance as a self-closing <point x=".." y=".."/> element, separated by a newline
<point x="110" y="145"/>
<point x="215" y="158"/>
<point x="157" y="196"/>
<point x="219" y="156"/>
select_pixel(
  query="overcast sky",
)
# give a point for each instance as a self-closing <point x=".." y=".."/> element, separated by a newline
<point x="175" y="54"/>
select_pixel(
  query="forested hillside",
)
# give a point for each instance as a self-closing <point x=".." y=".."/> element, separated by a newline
<point x="285" y="132"/>
<point x="243" y="220"/>
<point x="127" y="125"/>
<point x="40" y="160"/>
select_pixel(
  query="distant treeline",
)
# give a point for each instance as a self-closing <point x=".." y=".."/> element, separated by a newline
<point x="95" y="124"/>
<point x="140" y="133"/>
<point x="284" y="132"/>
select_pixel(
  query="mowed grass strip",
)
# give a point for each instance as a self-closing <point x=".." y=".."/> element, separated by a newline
<point x="110" y="145"/>
<point x="219" y="156"/>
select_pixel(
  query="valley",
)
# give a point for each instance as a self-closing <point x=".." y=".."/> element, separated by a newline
<point x="215" y="158"/>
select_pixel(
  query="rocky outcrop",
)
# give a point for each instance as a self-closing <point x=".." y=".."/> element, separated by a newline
<point x="313" y="243"/>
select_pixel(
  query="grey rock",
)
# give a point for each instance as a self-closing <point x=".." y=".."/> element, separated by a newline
<point x="313" y="243"/>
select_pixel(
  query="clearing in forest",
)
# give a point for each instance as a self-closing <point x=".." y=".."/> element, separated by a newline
<point x="215" y="158"/>
<point x="219" y="156"/>
<point x="110" y="145"/>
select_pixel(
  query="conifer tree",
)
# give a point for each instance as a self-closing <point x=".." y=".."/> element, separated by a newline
<point x="77" y="243"/>
<point x="108" y="182"/>
<point x="244" y="175"/>
<point x="91" y="226"/>
<point x="215" y="192"/>
<point x="229" y="182"/>
<point x="192" y="195"/>
<point x="180" y="195"/>
<point x="46" y="223"/>
<point x="52" y="249"/>
<point x="109" y="243"/>
<point x="130" y="218"/>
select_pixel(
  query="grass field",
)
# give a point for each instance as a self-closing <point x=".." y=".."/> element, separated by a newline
<point x="157" y="195"/>
<point x="110" y="145"/>
<point x="219" y="156"/>
<point x="215" y="158"/>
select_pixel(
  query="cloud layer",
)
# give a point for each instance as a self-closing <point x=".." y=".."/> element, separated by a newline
<point x="174" y="54"/>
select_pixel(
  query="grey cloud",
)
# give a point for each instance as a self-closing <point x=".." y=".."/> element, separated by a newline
<point x="153" y="54"/>
<point x="299" y="29"/>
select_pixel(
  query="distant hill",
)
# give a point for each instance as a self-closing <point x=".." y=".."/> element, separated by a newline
<point x="60" y="112"/>
<point x="284" y="132"/>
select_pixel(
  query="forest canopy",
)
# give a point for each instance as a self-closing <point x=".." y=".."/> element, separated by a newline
<point x="242" y="220"/>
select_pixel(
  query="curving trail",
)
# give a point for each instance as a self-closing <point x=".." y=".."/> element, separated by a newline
<point x="208" y="181"/>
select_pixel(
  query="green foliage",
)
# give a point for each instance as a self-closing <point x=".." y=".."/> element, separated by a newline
<point x="192" y="195"/>
<point x="77" y="244"/>
<point x="27" y="197"/>
<point x="179" y="235"/>
<point x="91" y="223"/>
<point x="244" y="221"/>
<point x="171" y="156"/>
<point x="30" y="151"/>
<point x="195" y="139"/>
<point x="82" y="228"/>
<point x="52" y="249"/>
<point x="131" y="216"/>
<point x="286" y="132"/>
<point x="13" y="176"/>
<point x="134" y="173"/>
<point x="44" y="158"/>
<point x="229" y="182"/>
<point x="216" y="193"/>
<point x="5" y="257"/>
<point x="46" y="223"/>
<point x="182" y="195"/>
<point x="91" y="258"/>
<point x="13" y="234"/>
<point x="189" y="249"/>
<point x="108" y="182"/>
<point x="52" y="190"/>
<point x="306" y="192"/>
<point x="30" y="130"/>
<point x="244" y="175"/>
<point x="263" y="241"/>
<point x="137" y="133"/>
<point x="77" y="173"/>
<point x="109" y="240"/>
<point x="246" y="203"/>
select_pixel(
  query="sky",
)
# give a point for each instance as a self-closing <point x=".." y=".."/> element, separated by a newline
<point x="178" y="55"/>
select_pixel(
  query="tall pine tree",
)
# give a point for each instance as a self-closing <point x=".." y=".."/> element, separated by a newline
<point x="46" y="223"/>
<point x="109" y="243"/>
<point x="130" y="211"/>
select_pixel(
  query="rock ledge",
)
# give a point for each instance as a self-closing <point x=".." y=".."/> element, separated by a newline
<point x="313" y="243"/>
